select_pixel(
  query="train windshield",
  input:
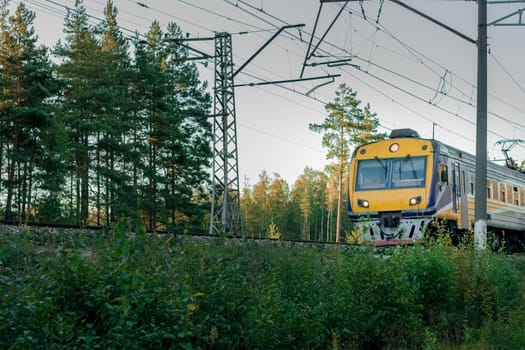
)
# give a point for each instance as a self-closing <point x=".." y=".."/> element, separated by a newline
<point x="371" y="174"/>
<point x="390" y="173"/>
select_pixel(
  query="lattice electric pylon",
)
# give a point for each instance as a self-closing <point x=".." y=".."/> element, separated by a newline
<point x="225" y="207"/>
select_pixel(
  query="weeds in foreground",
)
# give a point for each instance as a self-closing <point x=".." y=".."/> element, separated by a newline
<point x="273" y="232"/>
<point x="128" y="289"/>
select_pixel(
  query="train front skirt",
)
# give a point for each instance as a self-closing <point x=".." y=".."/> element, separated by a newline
<point x="392" y="228"/>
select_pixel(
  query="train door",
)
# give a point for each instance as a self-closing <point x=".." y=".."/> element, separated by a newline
<point x="455" y="187"/>
<point x="459" y="195"/>
<point x="464" y="201"/>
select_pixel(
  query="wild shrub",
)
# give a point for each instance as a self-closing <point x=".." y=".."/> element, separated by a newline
<point x="503" y="333"/>
<point x="371" y="303"/>
<point x="429" y="272"/>
<point x="129" y="289"/>
<point x="118" y="297"/>
<point x="273" y="232"/>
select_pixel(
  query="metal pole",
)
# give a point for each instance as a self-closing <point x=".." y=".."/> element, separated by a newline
<point x="480" y="214"/>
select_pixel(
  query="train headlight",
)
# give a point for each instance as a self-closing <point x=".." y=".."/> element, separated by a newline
<point x="363" y="203"/>
<point x="394" y="147"/>
<point x="415" y="200"/>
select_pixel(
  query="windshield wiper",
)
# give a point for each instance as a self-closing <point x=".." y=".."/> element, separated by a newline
<point x="383" y="165"/>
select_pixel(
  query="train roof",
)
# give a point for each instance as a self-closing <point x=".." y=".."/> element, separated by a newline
<point x="403" y="133"/>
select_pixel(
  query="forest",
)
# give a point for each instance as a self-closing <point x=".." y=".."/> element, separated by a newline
<point x="100" y="126"/>
<point x="103" y="126"/>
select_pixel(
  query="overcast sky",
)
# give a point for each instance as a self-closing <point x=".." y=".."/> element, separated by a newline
<point x="413" y="72"/>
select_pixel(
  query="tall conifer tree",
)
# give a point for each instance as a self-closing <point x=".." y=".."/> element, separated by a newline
<point x="80" y="70"/>
<point x="346" y="125"/>
<point x="186" y="151"/>
<point x="151" y="85"/>
<point x="174" y="113"/>
<point x="307" y="200"/>
<point x="27" y="81"/>
<point x="114" y="157"/>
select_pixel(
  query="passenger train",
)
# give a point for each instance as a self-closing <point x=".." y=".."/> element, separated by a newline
<point x="398" y="185"/>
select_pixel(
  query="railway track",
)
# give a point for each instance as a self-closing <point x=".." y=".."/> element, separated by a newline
<point x="17" y="228"/>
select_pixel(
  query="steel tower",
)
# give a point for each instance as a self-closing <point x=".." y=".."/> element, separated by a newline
<point x="225" y="207"/>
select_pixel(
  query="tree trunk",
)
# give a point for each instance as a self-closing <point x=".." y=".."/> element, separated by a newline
<point x="23" y="191"/>
<point x="339" y="202"/>
<point x="84" y="191"/>
<point x="77" y="194"/>
<point x="1" y="161"/>
<point x="98" y="204"/>
<point x="30" y="192"/>
<point x="10" y="184"/>
<point x="11" y="172"/>
<point x="339" y="205"/>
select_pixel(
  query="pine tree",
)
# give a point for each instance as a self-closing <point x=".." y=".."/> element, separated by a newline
<point x="279" y="197"/>
<point x="307" y="201"/>
<point x="81" y="57"/>
<point x="261" y="205"/>
<point x="114" y="156"/>
<point x="4" y="124"/>
<point x="346" y="125"/>
<point x="137" y="131"/>
<point x="26" y="121"/>
<point x="175" y="113"/>
<point x="150" y="86"/>
<point x="247" y="205"/>
<point x="186" y="152"/>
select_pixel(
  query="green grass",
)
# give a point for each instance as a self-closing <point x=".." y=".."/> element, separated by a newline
<point x="127" y="289"/>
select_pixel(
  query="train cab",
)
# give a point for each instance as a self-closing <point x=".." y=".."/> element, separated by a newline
<point x="392" y="187"/>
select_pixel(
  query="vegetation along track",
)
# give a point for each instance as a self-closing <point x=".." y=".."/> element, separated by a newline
<point x="17" y="228"/>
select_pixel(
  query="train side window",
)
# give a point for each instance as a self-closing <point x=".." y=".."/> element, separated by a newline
<point x="502" y="196"/>
<point x="488" y="193"/>
<point x="515" y="195"/>
<point x="472" y="184"/>
<point x="443" y="173"/>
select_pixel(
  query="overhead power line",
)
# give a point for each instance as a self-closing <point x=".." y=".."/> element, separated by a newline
<point x="248" y="9"/>
<point x="468" y="103"/>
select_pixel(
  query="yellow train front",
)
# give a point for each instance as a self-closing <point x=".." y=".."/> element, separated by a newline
<point x="396" y="186"/>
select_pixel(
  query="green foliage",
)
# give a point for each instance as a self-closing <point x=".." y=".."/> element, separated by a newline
<point x="300" y="213"/>
<point x="347" y="124"/>
<point x="28" y="150"/>
<point x="108" y="295"/>
<point x="128" y="289"/>
<point x="273" y="232"/>
<point x="104" y="132"/>
<point x="308" y="200"/>
<point x="437" y="232"/>
<point x="521" y="167"/>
